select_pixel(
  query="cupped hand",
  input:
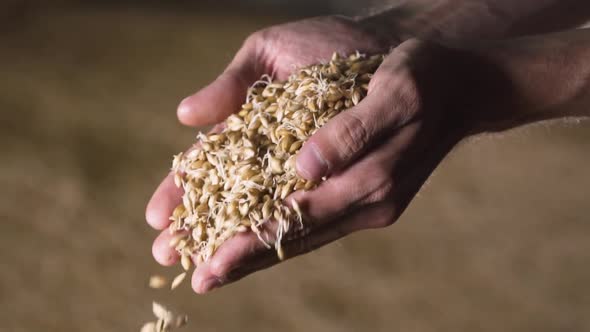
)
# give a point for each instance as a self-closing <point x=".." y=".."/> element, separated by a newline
<point x="276" y="50"/>
<point x="376" y="155"/>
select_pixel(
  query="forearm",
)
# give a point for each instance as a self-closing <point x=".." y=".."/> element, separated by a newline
<point x="478" y="19"/>
<point x="544" y="77"/>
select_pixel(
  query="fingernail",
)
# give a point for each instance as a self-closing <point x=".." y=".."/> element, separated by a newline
<point x="210" y="284"/>
<point x="311" y="164"/>
<point x="183" y="107"/>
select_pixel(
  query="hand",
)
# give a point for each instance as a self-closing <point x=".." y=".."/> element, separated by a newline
<point x="277" y="50"/>
<point x="395" y="137"/>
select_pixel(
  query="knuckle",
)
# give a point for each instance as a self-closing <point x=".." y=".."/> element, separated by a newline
<point x="254" y="38"/>
<point x="380" y="186"/>
<point x="382" y="192"/>
<point x="376" y="81"/>
<point x="262" y="36"/>
<point x="351" y="135"/>
<point x="255" y="41"/>
<point x="387" y="75"/>
<point x="403" y="95"/>
<point x="263" y="45"/>
<point x="302" y="244"/>
<point x="219" y="269"/>
<point x="407" y="98"/>
<point x="296" y="247"/>
<point x="409" y="48"/>
<point x="306" y="244"/>
<point x="163" y="257"/>
<point x="296" y="233"/>
<point x="385" y="215"/>
<point x="387" y="219"/>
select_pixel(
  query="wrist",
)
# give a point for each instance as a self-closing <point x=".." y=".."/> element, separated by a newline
<point x="520" y="81"/>
<point x="470" y="85"/>
<point x="549" y="73"/>
<point x="443" y="20"/>
<point x="397" y="24"/>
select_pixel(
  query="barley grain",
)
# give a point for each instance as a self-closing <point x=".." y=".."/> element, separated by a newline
<point x="148" y="327"/>
<point x="185" y="261"/>
<point x="157" y="281"/>
<point x="238" y="179"/>
<point x="177" y="280"/>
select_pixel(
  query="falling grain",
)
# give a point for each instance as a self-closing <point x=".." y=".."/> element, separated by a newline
<point x="148" y="327"/>
<point x="177" y="280"/>
<point x="185" y="261"/>
<point x="159" y="311"/>
<point x="157" y="281"/>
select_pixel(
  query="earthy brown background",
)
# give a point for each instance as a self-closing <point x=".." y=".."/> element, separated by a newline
<point x="499" y="239"/>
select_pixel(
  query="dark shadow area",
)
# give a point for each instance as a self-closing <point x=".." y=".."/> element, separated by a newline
<point x="563" y="15"/>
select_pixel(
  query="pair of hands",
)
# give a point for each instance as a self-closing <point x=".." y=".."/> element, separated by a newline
<point x="377" y="155"/>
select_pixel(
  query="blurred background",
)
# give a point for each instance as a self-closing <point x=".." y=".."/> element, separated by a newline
<point x="498" y="240"/>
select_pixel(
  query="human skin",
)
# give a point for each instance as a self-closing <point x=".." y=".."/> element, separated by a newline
<point x="422" y="101"/>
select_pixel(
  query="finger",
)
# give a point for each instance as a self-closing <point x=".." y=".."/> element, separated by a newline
<point x="163" y="202"/>
<point x="369" y="180"/>
<point x="213" y="274"/>
<point x="371" y="216"/>
<point x="224" y="95"/>
<point x="161" y="250"/>
<point x="376" y="215"/>
<point x="354" y="187"/>
<point x="232" y="254"/>
<point x="245" y="254"/>
<point x="388" y="106"/>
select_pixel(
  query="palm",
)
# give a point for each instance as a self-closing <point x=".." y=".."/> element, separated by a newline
<point x="277" y="51"/>
<point x="301" y="43"/>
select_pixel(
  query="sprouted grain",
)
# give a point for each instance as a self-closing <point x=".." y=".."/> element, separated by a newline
<point x="238" y="179"/>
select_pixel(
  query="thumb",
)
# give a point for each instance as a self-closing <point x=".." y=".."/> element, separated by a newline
<point x="225" y="94"/>
<point x="392" y="100"/>
<point x="338" y="142"/>
<point x="352" y="132"/>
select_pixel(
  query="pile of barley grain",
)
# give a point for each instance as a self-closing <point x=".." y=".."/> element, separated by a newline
<point x="238" y="179"/>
